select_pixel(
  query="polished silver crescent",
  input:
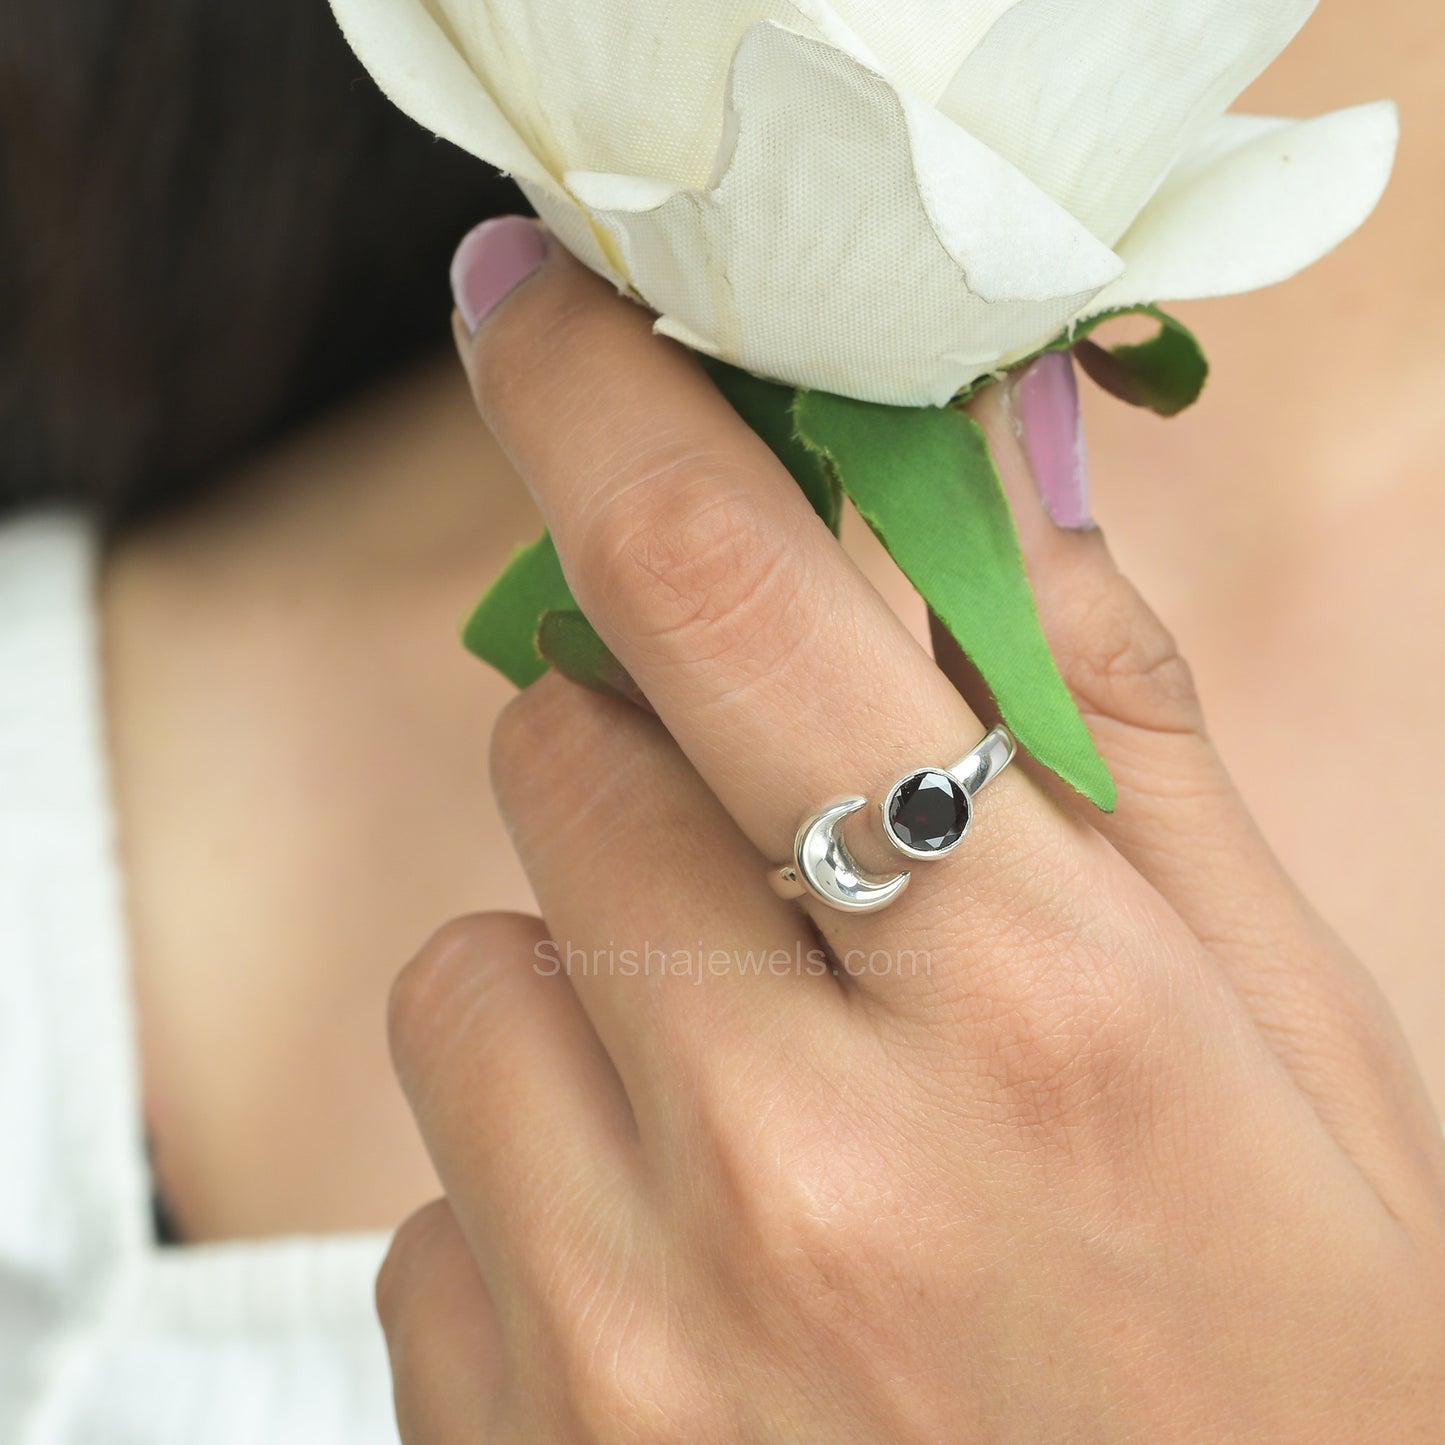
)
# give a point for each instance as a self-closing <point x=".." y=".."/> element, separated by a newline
<point x="823" y="866"/>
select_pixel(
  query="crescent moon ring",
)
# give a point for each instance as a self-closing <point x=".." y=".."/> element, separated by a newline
<point x="823" y="866"/>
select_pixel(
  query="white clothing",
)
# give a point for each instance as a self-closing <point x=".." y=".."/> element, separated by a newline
<point x="106" y="1337"/>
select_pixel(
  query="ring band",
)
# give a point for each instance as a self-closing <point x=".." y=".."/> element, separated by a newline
<point x="926" y="814"/>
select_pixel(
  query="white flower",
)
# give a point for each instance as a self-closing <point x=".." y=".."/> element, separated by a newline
<point x="889" y="198"/>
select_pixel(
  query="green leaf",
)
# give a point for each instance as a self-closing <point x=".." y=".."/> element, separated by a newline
<point x="568" y="641"/>
<point x="528" y="622"/>
<point x="923" y="480"/>
<point x="768" y="409"/>
<point x="1166" y="373"/>
<point x="502" y="629"/>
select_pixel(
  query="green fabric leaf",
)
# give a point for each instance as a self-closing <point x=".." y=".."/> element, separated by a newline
<point x="1166" y="373"/>
<point x="528" y="622"/>
<point x="768" y="409"/>
<point x="923" y="480"/>
<point x="502" y="629"/>
<point x="568" y="641"/>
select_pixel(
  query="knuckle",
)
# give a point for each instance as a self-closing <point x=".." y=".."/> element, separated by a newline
<point x="543" y="729"/>
<point x="549" y="736"/>
<point x="1131" y="669"/>
<point x="406" y="1261"/>
<point x="633" y="1380"/>
<point x="513" y="748"/>
<point x="798" y="1193"/>
<point x="1072" y="1060"/>
<point x="691" y="562"/>
<point x="423" y="1003"/>
<point x="817" y="1242"/>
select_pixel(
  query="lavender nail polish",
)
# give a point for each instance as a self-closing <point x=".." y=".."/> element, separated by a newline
<point x="491" y="262"/>
<point x="1045" y="403"/>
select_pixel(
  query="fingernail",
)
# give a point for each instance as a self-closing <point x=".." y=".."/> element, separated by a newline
<point x="1045" y="406"/>
<point x="492" y="261"/>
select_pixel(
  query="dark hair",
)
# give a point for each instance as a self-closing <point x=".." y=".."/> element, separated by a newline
<point x="212" y="225"/>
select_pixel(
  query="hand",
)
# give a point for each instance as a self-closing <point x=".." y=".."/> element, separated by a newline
<point x="1098" y="1135"/>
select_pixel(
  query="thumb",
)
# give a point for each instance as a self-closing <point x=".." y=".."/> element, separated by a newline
<point x="1180" y="821"/>
<point x="1120" y="661"/>
<point x="1122" y="665"/>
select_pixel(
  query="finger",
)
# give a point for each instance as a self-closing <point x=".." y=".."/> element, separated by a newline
<point x="652" y="896"/>
<point x="1125" y="670"/>
<point x="442" y="1334"/>
<point x="783" y="675"/>
<point x="1180" y="820"/>
<point x="515" y="1098"/>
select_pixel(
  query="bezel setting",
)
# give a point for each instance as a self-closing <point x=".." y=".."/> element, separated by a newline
<point x="962" y="801"/>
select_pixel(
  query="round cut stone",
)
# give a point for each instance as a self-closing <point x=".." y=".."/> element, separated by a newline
<point x="929" y="812"/>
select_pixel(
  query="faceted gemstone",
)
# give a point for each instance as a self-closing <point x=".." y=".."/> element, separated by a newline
<point x="929" y="812"/>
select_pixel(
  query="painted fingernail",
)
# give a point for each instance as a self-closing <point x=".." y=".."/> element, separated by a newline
<point x="1045" y="406"/>
<point x="492" y="261"/>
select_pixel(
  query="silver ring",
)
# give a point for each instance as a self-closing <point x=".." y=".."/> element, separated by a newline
<point x="926" y="814"/>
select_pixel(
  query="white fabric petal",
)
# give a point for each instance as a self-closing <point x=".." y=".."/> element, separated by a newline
<point x="635" y="87"/>
<point x="419" y="69"/>
<point x="1256" y="201"/>
<point x="622" y="87"/>
<point x="575" y="229"/>
<point x="859" y="242"/>
<point x="1096" y="99"/>
<point x="919" y="44"/>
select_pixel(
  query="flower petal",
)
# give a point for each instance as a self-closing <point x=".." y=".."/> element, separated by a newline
<point x="1256" y="201"/>
<point x="574" y="228"/>
<point x="419" y="69"/>
<point x="634" y="87"/>
<point x="920" y="44"/>
<point x="1095" y="99"/>
<point x="859" y="242"/>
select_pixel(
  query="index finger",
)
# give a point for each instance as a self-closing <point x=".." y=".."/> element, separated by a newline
<point x="780" y="671"/>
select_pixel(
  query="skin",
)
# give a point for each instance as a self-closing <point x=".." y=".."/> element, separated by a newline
<point x="299" y="623"/>
<point x="1139" y="1154"/>
<point x="281" y="602"/>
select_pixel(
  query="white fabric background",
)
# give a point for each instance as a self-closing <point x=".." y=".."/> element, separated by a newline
<point x="106" y="1339"/>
